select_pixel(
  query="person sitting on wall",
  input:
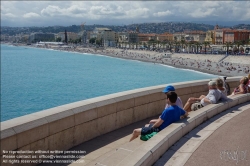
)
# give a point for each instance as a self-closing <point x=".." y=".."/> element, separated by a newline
<point x="168" y="116"/>
<point x="248" y="83"/>
<point x="221" y="88"/>
<point x="242" y="88"/>
<point x="212" y="97"/>
<point x="178" y="101"/>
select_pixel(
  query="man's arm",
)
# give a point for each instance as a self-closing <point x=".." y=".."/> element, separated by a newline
<point x="184" y="115"/>
<point x="158" y="123"/>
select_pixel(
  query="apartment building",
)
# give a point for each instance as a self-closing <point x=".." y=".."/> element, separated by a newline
<point x="164" y="37"/>
<point x="236" y="35"/>
<point x="209" y="37"/>
<point x="70" y="36"/>
<point x="197" y="36"/>
<point x="218" y="37"/>
<point x="181" y="36"/>
<point x="36" y="37"/>
<point x="123" y="37"/>
<point x="145" y="37"/>
<point x="106" y="36"/>
<point x="133" y="37"/>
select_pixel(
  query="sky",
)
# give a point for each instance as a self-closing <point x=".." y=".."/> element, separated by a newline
<point x="66" y="13"/>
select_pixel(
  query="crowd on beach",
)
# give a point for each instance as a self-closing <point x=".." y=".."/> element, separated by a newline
<point x="174" y="109"/>
<point x="208" y="63"/>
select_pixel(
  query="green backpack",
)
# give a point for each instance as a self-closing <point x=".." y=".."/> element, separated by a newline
<point x="148" y="136"/>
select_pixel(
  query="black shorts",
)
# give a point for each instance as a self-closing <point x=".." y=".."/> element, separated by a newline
<point x="149" y="130"/>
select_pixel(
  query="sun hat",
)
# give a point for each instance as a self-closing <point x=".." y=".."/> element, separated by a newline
<point x="168" y="88"/>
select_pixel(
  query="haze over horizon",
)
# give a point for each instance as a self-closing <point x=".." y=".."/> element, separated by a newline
<point x="66" y="13"/>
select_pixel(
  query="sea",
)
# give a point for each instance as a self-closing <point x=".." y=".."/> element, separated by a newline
<point x="35" y="79"/>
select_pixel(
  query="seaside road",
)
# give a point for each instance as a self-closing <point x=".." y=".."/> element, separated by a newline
<point x="224" y="140"/>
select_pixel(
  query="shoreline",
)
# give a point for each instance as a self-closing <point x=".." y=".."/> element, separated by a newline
<point x="209" y="64"/>
<point x="176" y="66"/>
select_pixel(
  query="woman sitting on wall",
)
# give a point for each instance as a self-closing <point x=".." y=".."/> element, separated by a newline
<point x="249" y="83"/>
<point x="242" y="88"/>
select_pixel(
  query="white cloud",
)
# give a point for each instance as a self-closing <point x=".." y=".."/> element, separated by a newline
<point x="51" y="11"/>
<point x="201" y="13"/>
<point x="31" y="15"/>
<point x="10" y="15"/>
<point x="137" y="13"/>
<point x="125" y="12"/>
<point x="160" y="14"/>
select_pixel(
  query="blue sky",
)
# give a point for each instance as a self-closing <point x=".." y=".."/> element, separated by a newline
<point x="65" y="13"/>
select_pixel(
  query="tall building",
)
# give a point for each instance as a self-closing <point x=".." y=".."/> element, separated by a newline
<point x="105" y="35"/>
<point x="70" y="36"/>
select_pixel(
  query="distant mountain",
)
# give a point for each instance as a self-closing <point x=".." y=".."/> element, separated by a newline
<point x="158" y="28"/>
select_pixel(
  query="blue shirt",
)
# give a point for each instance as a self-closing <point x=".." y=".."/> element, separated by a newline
<point x="171" y="115"/>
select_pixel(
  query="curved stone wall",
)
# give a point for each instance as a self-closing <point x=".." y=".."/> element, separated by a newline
<point x="66" y="126"/>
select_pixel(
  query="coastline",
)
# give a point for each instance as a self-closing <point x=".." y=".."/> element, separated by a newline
<point x="208" y="63"/>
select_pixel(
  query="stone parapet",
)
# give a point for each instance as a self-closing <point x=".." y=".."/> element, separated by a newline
<point x="66" y="126"/>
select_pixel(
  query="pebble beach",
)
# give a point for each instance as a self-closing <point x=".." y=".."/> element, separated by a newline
<point x="208" y="63"/>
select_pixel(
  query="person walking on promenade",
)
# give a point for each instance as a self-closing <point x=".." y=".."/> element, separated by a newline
<point x="212" y="97"/>
<point x="168" y="116"/>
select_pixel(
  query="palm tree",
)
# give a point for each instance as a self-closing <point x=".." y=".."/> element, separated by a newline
<point x="164" y="43"/>
<point x="170" y="43"/>
<point x="183" y="42"/>
<point x="190" y="44"/>
<point x="206" y="44"/>
<point x="197" y="44"/>
<point x="238" y="43"/>
<point x="158" y="42"/>
<point x="228" y="44"/>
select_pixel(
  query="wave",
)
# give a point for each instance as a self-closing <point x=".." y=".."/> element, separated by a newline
<point x="199" y="72"/>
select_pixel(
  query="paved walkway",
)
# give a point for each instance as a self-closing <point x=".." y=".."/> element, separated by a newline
<point x="224" y="140"/>
<point x="100" y="148"/>
<point x="209" y="144"/>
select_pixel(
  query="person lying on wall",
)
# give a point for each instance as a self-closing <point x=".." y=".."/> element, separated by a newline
<point x="213" y="96"/>
<point x="178" y="101"/>
<point x="242" y="88"/>
<point x="168" y="116"/>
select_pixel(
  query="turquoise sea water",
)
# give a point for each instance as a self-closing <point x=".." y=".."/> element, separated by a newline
<point x="35" y="79"/>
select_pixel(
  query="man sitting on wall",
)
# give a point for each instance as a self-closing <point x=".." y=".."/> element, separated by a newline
<point x="168" y="116"/>
<point x="178" y="101"/>
<point x="212" y="97"/>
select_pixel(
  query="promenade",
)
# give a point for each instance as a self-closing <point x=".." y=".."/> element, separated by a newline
<point x="221" y="141"/>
